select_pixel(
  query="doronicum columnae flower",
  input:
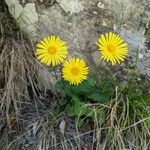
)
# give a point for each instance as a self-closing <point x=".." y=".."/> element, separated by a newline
<point x="112" y="48"/>
<point x="51" y="51"/>
<point x="75" y="71"/>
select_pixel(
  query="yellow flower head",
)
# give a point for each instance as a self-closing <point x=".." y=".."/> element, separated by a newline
<point x="112" y="48"/>
<point x="51" y="50"/>
<point x="75" y="71"/>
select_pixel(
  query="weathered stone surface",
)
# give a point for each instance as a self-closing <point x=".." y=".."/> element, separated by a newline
<point x="96" y="57"/>
<point x="26" y="17"/>
<point x="47" y="79"/>
<point x="71" y="6"/>
<point x="80" y="23"/>
<point x="15" y="8"/>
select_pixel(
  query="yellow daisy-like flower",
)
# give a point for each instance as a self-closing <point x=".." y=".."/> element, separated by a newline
<point x="75" y="71"/>
<point x="112" y="48"/>
<point x="51" y="50"/>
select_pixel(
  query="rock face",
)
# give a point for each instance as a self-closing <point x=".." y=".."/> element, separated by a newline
<point x="79" y="22"/>
<point x="25" y="16"/>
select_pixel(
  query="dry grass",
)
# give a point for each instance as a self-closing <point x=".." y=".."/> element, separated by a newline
<point x="115" y="131"/>
<point x="17" y="74"/>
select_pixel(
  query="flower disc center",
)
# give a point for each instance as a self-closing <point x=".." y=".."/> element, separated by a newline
<point x="110" y="48"/>
<point x="52" y="50"/>
<point x="75" y="71"/>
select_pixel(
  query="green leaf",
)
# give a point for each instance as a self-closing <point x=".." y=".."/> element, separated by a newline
<point x="91" y="82"/>
<point x="77" y="108"/>
<point x="74" y="90"/>
<point x="97" y="97"/>
<point x="65" y="87"/>
<point x="83" y="90"/>
<point x="63" y="101"/>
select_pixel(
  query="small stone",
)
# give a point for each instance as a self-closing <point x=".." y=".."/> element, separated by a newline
<point x="104" y="23"/>
<point x="100" y="5"/>
<point x="69" y="23"/>
<point x="95" y="12"/>
<point x="26" y="145"/>
<point x="140" y="56"/>
<point x="115" y="27"/>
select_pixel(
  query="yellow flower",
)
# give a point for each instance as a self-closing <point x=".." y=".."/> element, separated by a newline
<point x="75" y="71"/>
<point x="112" y="48"/>
<point x="51" y="50"/>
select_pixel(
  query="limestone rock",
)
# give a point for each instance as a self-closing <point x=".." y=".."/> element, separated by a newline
<point x="80" y="22"/>
<point x="15" y="8"/>
<point x="25" y="16"/>
<point x="71" y="6"/>
<point x="29" y="19"/>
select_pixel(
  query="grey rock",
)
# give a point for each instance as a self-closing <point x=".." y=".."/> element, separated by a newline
<point x="80" y="23"/>
<point x="71" y="6"/>
<point x="26" y="16"/>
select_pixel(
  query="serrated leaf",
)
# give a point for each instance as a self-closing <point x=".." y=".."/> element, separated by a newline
<point x="63" y="101"/>
<point x="65" y="87"/>
<point x="77" y="108"/>
<point x="91" y="81"/>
